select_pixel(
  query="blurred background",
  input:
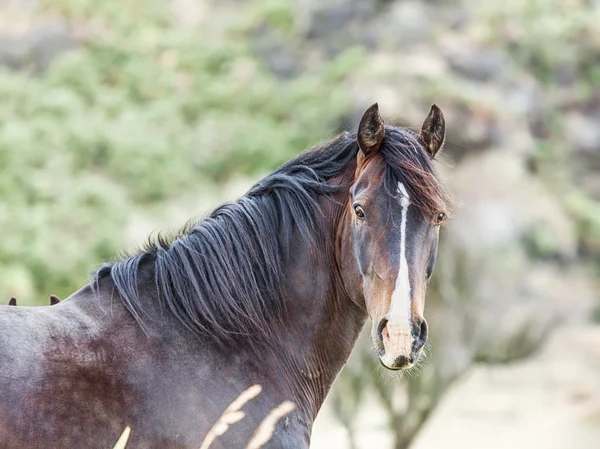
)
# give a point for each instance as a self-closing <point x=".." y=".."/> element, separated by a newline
<point x="122" y="117"/>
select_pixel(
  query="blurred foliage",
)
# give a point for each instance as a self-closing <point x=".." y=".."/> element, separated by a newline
<point x="546" y="35"/>
<point x="144" y="110"/>
<point x="558" y="42"/>
<point x="587" y="213"/>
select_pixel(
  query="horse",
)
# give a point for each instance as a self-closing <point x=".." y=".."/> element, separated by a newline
<point x="271" y="290"/>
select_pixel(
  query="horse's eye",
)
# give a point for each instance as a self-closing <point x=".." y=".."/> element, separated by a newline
<point x="439" y="218"/>
<point x="360" y="213"/>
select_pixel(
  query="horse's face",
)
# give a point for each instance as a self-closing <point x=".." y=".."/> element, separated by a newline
<point x="394" y="245"/>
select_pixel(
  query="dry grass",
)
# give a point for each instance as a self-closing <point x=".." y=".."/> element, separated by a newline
<point x="233" y="414"/>
<point x="267" y="427"/>
<point x="122" y="442"/>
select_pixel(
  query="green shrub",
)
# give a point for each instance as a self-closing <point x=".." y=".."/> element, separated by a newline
<point x="142" y="112"/>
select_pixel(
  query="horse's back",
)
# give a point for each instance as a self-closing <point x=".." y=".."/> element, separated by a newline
<point x="52" y="391"/>
<point x="25" y="337"/>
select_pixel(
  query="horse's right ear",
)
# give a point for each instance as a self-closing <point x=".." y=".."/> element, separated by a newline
<point x="370" y="131"/>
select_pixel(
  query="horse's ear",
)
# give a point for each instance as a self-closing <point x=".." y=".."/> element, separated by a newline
<point x="12" y="302"/>
<point x="54" y="300"/>
<point x="433" y="131"/>
<point x="370" y="131"/>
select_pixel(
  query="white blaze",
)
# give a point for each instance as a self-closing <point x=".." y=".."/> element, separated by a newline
<point x="399" y="313"/>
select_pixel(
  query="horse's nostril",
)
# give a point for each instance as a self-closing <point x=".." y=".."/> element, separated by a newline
<point x="420" y="334"/>
<point x="423" y="334"/>
<point x="380" y="328"/>
<point x="379" y="343"/>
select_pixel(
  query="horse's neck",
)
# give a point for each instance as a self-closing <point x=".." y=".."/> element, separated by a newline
<point x="322" y="325"/>
<point x="319" y="352"/>
<point x="319" y="329"/>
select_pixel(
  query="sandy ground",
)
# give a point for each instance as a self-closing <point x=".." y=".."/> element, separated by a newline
<point x="549" y="401"/>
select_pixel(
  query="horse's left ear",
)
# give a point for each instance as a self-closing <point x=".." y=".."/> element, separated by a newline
<point x="433" y="131"/>
<point x="370" y="131"/>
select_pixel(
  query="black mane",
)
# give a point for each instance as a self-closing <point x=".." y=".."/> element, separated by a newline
<point x="223" y="277"/>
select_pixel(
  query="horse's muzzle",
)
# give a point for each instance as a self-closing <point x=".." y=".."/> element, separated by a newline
<point x="399" y="349"/>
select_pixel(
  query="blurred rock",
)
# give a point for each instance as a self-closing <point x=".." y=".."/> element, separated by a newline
<point x="500" y="203"/>
<point x="47" y="41"/>
<point x="584" y="132"/>
<point x="279" y="53"/>
<point x="337" y="17"/>
<point x="478" y="130"/>
<point x="37" y="47"/>
<point x="402" y="25"/>
<point x="13" y="52"/>
<point x="480" y="64"/>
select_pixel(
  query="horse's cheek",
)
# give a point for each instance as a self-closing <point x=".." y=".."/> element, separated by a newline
<point x="362" y="250"/>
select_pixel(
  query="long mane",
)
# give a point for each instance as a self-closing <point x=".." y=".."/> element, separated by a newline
<point x="224" y="276"/>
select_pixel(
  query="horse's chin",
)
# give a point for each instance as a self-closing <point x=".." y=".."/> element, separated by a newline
<point x="392" y="368"/>
<point x="399" y="363"/>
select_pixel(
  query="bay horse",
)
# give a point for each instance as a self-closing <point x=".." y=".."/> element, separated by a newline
<point x="270" y="290"/>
